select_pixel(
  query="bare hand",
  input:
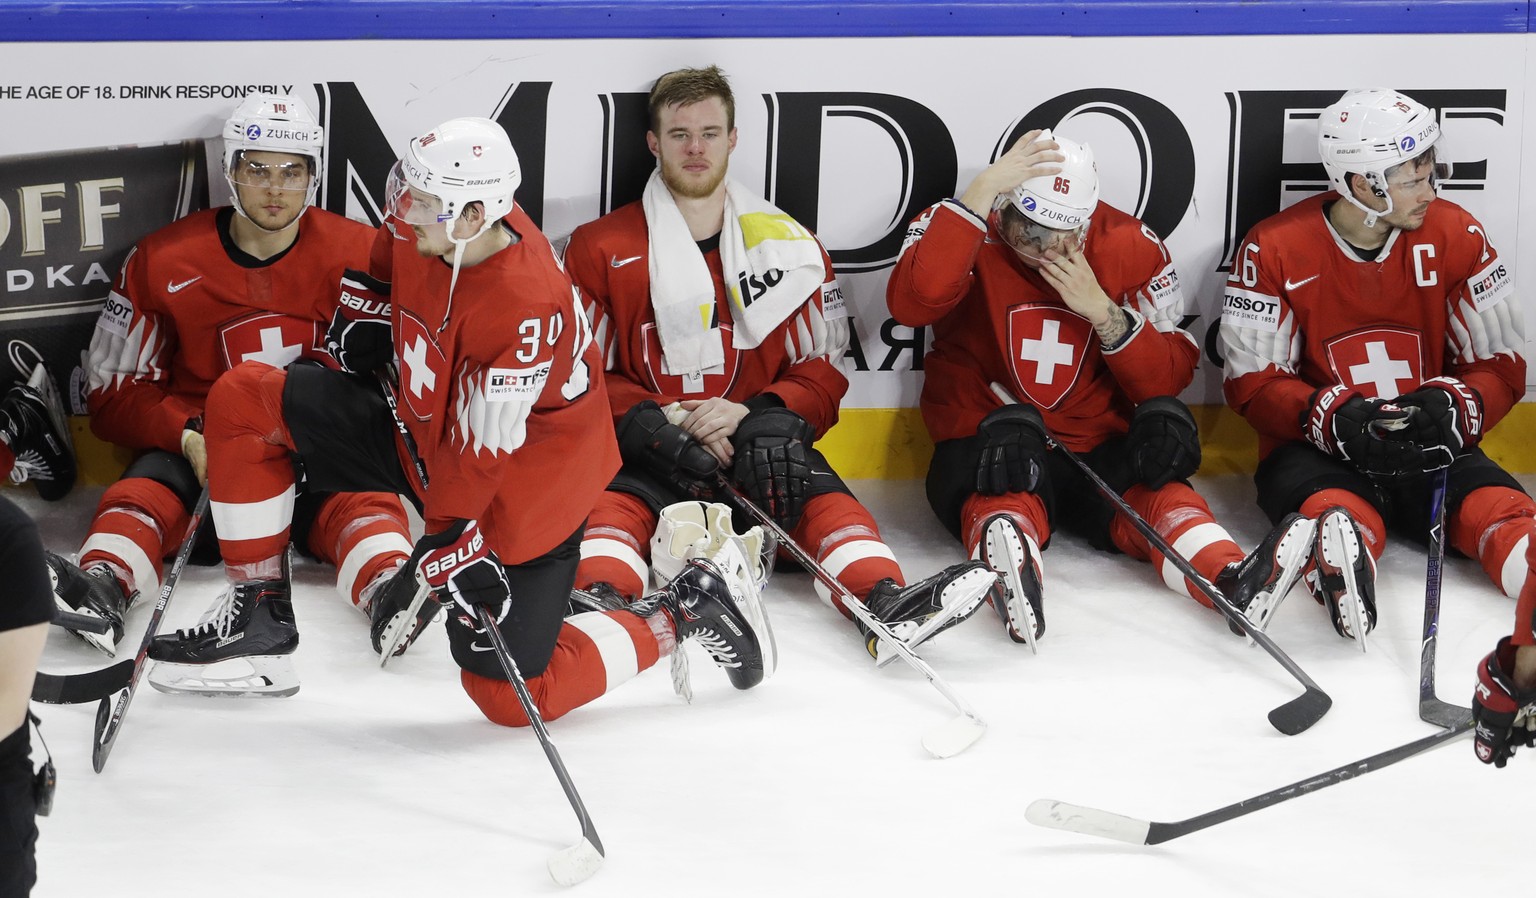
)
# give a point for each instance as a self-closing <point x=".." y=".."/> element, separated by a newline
<point x="1027" y="158"/>
<point x="713" y="422"/>
<point x="195" y="450"/>
<point x="1070" y="275"/>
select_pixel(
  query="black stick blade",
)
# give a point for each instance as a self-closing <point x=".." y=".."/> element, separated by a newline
<point x="1298" y="714"/>
<point x="109" y="715"/>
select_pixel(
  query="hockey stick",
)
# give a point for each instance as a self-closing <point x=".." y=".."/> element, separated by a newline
<point x="77" y="689"/>
<point x="571" y="865"/>
<point x="1432" y="709"/>
<point x="1094" y="822"/>
<point x="1290" y="718"/>
<point x="405" y="629"/>
<point x="944" y="741"/>
<point x="109" y="714"/>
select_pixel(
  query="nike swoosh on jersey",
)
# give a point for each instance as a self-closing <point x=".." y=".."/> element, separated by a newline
<point x="616" y="262"/>
<point x="1292" y="286"/>
<point x="172" y="288"/>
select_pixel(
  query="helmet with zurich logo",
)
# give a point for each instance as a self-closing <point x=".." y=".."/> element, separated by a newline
<point x="273" y="123"/>
<point x="1053" y="210"/>
<point x="1369" y="131"/>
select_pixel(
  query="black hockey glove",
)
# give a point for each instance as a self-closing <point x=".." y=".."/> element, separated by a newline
<point x="1367" y="433"/>
<point x="1013" y="449"/>
<point x="460" y="567"/>
<point x="1447" y="419"/>
<point x="1505" y="716"/>
<point x="359" y="337"/>
<point x="648" y="441"/>
<point x="772" y="465"/>
<point x="1164" y="442"/>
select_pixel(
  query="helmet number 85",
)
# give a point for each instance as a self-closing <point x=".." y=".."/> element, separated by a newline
<point x="1062" y="185"/>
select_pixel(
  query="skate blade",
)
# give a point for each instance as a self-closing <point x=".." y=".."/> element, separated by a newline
<point x="255" y="676"/>
<point x="1291" y="557"/>
<point x="1016" y="608"/>
<point x="925" y="631"/>
<point x="401" y="631"/>
<point x="1341" y="550"/>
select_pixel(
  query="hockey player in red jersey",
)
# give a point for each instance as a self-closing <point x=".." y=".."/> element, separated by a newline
<point x="250" y="281"/>
<point x="1029" y="281"/>
<point x="1371" y="334"/>
<point x="721" y="325"/>
<point x="501" y="411"/>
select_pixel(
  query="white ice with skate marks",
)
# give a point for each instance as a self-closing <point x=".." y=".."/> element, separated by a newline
<point x="1140" y="702"/>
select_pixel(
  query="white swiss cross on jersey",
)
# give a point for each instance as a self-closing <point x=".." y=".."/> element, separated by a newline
<point x="1382" y="362"/>
<point x="1046" y="348"/>
<point x="715" y="384"/>
<point x="423" y="370"/>
<point x="270" y="337"/>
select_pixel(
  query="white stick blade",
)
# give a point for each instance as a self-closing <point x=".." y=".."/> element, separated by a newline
<point x="1088" y="821"/>
<point x="949" y="739"/>
<point x="575" y="864"/>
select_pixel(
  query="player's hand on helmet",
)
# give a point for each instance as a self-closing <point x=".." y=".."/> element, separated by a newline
<point x="1029" y="157"/>
<point x="1164" y="442"/>
<point x="359" y="337"/>
<point x="649" y="441"/>
<point x="1370" y="434"/>
<point x="773" y="463"/>
<point x="1013" y="450"/>
<point x="1503" y="713"/>
<point x="458" y="565"/>
<point x="1447" y="419"/>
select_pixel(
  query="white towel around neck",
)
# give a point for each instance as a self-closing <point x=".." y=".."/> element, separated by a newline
<point x="772" y="266"/>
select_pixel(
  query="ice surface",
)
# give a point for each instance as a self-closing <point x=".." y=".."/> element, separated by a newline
<point x="384" y="783"/>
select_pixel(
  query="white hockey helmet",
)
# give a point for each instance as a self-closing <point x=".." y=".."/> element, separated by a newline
<point x="273" y="123"/>
<point x="1368" y="131"/>
<point x="461" y="161"/>
<point x="1053" y="208"/>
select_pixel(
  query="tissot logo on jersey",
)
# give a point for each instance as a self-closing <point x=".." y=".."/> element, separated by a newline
<point x="116" y="315"/>
<point x="1164" y="288"/>
<point x="1489" y="286"/>
<point x="524" y="384"/>
<point x="1244" y="308"/>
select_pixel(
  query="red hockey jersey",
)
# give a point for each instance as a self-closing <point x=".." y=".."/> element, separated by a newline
<point x="500" y="391"/>
<point x="1302" y="311"/>
<point x="995" y="319"/>
<point x="189" y="305"/>
<point x="608" y="258"/>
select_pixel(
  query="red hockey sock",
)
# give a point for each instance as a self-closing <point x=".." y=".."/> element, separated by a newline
<point x="1182" y="518"/>
<point x="615" y="547"/>
<point x="595" y="652"/>
<point x="841" y="535"/>
<point x="1494" y="525"/>
<point x="250" y="476"/>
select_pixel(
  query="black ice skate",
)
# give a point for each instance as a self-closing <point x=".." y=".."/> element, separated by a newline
<point x="1016" y="559"/>
<point x="1344" y="576"/>
<point x="242" y="646"/>
<point x="1259" y="583"/>
<point x="398" y="609"/>
<point x="704" y="608"/>
<point x="918" y="612"/>
<point x="33" y="423"/>
<point x="93" y="593"/>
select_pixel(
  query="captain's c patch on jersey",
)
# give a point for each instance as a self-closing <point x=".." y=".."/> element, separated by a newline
<point x="1245" y="308"/>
